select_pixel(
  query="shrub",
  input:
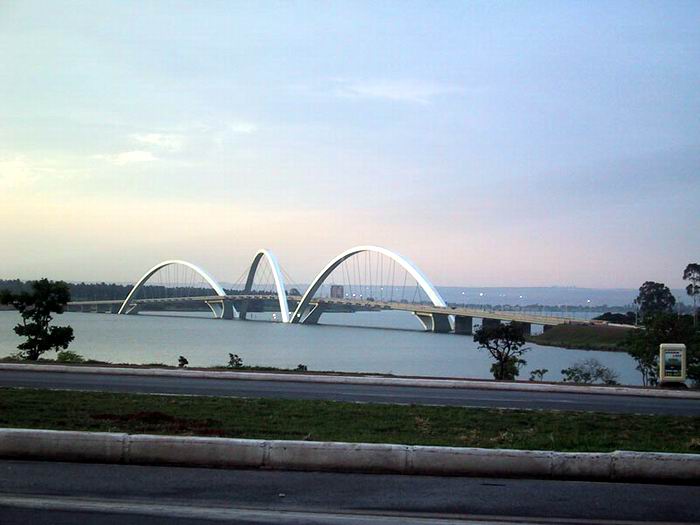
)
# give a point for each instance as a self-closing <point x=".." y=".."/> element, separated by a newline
<point x="590" y="371"/>
<point x="616" y="318"/>
<point x="68" y="356"/>
<point x="507" y="369"/>
<point x="234" y="361"/>
<point x="538" y="374"/>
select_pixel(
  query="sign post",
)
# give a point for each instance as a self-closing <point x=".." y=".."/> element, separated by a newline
<point x="672" y="363"/>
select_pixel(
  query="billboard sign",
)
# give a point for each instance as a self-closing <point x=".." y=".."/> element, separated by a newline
<point x="672" y="362"/>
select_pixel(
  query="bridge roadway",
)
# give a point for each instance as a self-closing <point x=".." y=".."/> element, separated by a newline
<point x="329" y="304"/>
<point x="464" y="397"/>
<point x="521" y="317"/>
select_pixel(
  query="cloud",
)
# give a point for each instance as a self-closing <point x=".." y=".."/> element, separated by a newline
<point x="167" y="141"/>
<point x="20" y="173"/>
<point x="16" y="172"/>
<point x="245" y="128"/>
<point x="128" y="157"/>
<point x="396" y="90"/>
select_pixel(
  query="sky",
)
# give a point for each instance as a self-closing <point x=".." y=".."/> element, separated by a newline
<point x="493" y="143"/>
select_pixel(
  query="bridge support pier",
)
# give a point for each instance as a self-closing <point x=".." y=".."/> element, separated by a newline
<point x="546" y="327"/>
<point x="487" y="323"/>
<point x="464" y="325"/>
<point x="527" y="327"/>
<point x="437" y="323"/>
<point x="243" y="310"/>
<point x="133" y="309"/>
<point x="314" y="314"/>
<point x="221" y="309"/>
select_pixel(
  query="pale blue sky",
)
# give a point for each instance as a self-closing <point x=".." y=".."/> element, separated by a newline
<point x="494" y="143"/>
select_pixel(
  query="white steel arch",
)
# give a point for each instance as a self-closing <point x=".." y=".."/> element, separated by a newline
<point x="276" y="273"/>
<point x="216" y="286"/>
<point x="411" y="268"/>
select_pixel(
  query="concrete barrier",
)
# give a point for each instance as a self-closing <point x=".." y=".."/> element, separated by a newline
<point x="655" y="465"/>
<point x="99" y="447"/>
<point x="342" y="457"/>
<point x="105" y="447"/>
<point x="199" y="451"/>
<point x="583" y="465"/>
<point x="481" y="462"/>
<point x="519" y="386"/>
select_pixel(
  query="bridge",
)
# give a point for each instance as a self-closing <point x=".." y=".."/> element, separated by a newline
<point x="363" y="278"/>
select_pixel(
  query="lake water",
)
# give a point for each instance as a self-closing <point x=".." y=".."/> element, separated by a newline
<point x="332" y="345"/>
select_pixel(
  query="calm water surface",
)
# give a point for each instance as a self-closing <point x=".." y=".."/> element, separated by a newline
<point x="404" y="349"/>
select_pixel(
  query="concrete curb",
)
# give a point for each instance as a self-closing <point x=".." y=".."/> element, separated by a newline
<point x="98" y="447"/>
<point x="360" y="380"/>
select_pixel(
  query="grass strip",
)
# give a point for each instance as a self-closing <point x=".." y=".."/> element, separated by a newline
<point x="584" y="337"/>
<point x="351" y="422"/>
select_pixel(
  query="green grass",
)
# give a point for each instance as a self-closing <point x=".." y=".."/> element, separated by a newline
<point x="583" y="336"/>
<point x="353" y="422"/>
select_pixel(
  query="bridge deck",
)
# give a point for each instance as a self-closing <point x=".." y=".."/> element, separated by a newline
<point x="522" y="317"/>
<point x="457" y="310"/>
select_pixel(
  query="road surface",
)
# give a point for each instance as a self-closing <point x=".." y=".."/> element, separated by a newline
<point x="347" y="392"/>
<point x="46" y="492"/>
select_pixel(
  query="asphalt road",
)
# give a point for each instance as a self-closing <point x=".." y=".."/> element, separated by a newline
<point x="45" y="492"/>
<point x="353" y="393"/>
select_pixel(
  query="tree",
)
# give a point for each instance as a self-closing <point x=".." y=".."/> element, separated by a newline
<point x="505" y="343"/>
<point x="643" y="344"/>
<point x="692" y="274"/>
<point x="35" y="307"/>
<point x="654" y="298"/>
